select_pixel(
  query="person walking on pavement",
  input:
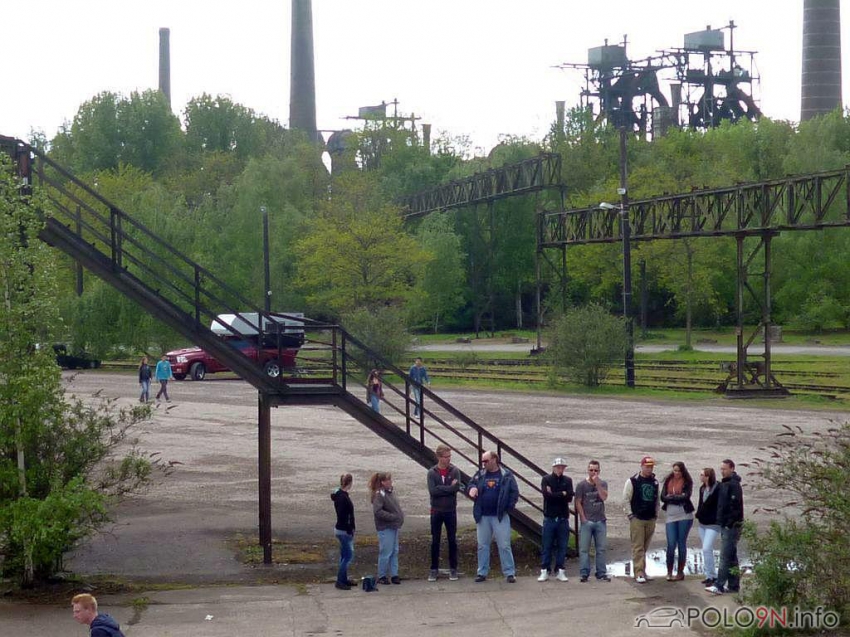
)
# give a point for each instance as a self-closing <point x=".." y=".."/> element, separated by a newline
<point x="163" y="375"/>
<point x="419" y="375"/>
<point x="591" y="494"/>
<point x="100" y="624"/>
<point x="495" y="492"/>
<point x="640" y="501"/>
<point x="389" y="519"/>
<point x="443" y="486"/>
<point x="730" y="517"/>
<point x="676" y="494"/>
<point x="709" y="530"/>
<point x="344" y="530"/>
<point x="557" y="494"/>
<point x="145" y="380"/>
<point x="374" y="390"/>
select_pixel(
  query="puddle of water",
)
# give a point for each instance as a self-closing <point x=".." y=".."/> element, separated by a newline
<point x="656" y="564"/>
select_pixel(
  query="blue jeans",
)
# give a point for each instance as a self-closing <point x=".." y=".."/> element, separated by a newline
<point x="375" y="401"/>
<point x="598" y="532"/>
<point x="677" y="538"/>
<point x="708" y="535"/>
<point x="346" y="555"/>
<point x="728" y="575"/>
<point x="388" y="553"/>
<point x="555" y="534"/>
<point x="417" y="399"/>
<point x="146" y="390"/>
<point x="487" y="528"/>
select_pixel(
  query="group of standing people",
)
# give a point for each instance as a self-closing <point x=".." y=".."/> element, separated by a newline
<point x="494" y="490"/>
<point x="163" y="375"/>
<point x="719" y="510"/>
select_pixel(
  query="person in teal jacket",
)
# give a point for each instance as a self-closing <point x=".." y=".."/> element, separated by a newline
<point x="163" y="375"/>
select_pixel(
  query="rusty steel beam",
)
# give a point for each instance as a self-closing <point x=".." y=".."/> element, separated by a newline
<point x="805" y="202"/>
<point x="522" y="178"/>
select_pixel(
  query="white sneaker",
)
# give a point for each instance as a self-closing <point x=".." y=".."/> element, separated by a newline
<point x="432" y="576"/>
<point x="714" y="590"/>
<point x="640" y="579"/>
<point x="544" y="575"/>
<point x="562" y="576"/>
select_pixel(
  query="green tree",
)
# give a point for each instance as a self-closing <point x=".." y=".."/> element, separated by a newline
<point x="586" y="343"/>
<point x="439" y="293"/>
<point x="356" y="253"/>
<point x="383" y="331"/>
<point x="58" y="461"/>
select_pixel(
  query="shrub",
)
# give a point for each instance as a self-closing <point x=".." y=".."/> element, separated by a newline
<point x="585" y="343"/>
<point x="804" y="559"/>
<point x="383" y="331"/>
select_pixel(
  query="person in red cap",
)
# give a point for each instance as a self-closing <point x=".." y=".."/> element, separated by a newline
<point x="640" y="500"/>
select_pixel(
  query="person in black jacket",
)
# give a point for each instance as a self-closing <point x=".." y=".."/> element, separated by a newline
<point x="676" y="494"/>
<point x="640" y="501"/>
<point x="443" y="486"/>
<point x="344" y="530"/>
<point x="145" y="374"/>
<point x="709" y="530"/>
<point x="730" y="517"/>
<point x="100" y="624"/>
<point x="557" y="494"/>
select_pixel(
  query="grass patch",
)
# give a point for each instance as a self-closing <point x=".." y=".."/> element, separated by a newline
<point x="283" y="553"/>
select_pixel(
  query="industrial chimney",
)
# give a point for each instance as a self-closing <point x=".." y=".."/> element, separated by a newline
<point x="821" y="89"/>
<point x="302" y="78"/>
<point x="165" y="63"/>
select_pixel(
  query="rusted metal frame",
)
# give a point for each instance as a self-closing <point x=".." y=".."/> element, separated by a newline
<point x="831" y="197"/>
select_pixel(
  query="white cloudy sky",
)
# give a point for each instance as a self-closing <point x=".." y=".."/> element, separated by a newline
<point x="475" y="67"/>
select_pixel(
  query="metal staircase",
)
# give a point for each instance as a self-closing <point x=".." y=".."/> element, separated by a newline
<point x="188" y="298"/>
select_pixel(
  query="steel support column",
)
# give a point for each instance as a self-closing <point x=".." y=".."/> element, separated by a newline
<point x="264" y="456"/>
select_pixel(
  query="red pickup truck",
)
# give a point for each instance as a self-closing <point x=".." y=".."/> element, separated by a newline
<point x="196" y="363"/>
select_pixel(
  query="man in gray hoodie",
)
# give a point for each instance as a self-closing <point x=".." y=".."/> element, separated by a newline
<point x="443" y="485"/>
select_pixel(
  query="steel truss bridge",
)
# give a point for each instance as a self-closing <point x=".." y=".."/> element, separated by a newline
<point x="761" y="210"/>
<point x="522" y="178"/>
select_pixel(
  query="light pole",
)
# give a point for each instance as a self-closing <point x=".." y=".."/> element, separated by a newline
<point x="625" y="227"/>
<point x="268" y="289"/>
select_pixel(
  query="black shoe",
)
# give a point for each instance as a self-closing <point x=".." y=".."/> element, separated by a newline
<point x="352" y="583"/>
<point x="384" y="581"/>
<point x="511" y="579"/>
<point x="708" y="581"/>
<point x="481" y="578"/>
<point x="342" y="587"/>
<point x="583" y="579"/>
<point x="395" y="580"/>
<point x="603" y="578"/>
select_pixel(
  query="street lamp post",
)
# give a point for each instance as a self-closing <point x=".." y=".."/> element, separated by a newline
<point x="267" y="276"/>
<point x="625" y="232"/>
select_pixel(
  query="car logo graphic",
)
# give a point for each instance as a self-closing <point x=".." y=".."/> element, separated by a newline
<point x="661" y="617"/>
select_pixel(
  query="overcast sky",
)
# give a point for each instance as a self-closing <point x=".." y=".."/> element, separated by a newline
<point x="476" y="67"/>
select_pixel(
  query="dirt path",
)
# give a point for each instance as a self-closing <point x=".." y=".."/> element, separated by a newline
<point x="180" y="529"/>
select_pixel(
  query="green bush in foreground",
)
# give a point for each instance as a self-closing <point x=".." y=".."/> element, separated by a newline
<point x="804" y="559"/>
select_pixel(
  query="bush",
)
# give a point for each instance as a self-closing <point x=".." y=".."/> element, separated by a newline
<point x="383" y="331"/>
<point x="586" y="343"/>
<point x="804" y="559"/>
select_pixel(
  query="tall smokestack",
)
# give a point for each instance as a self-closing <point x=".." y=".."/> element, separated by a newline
<point x="821" y="90"/>
<point x="165" y="63"/>
<point x="302" y="79"/>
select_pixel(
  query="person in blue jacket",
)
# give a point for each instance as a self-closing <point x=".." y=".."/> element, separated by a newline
<point x="100" y="624"/>
<point x="419" y="375"/>
<point x="495" y="492"/>
<point x="163" y="375"/>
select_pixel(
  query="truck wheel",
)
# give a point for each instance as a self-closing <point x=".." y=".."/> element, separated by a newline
<point x="179" y="376"/>
<point x="198" y="371"/>
<point x="272" y="369"/>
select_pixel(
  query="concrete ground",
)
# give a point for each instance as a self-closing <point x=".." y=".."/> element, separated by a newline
<point x="456" y="609"/>
<point x="182" y="529"/>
